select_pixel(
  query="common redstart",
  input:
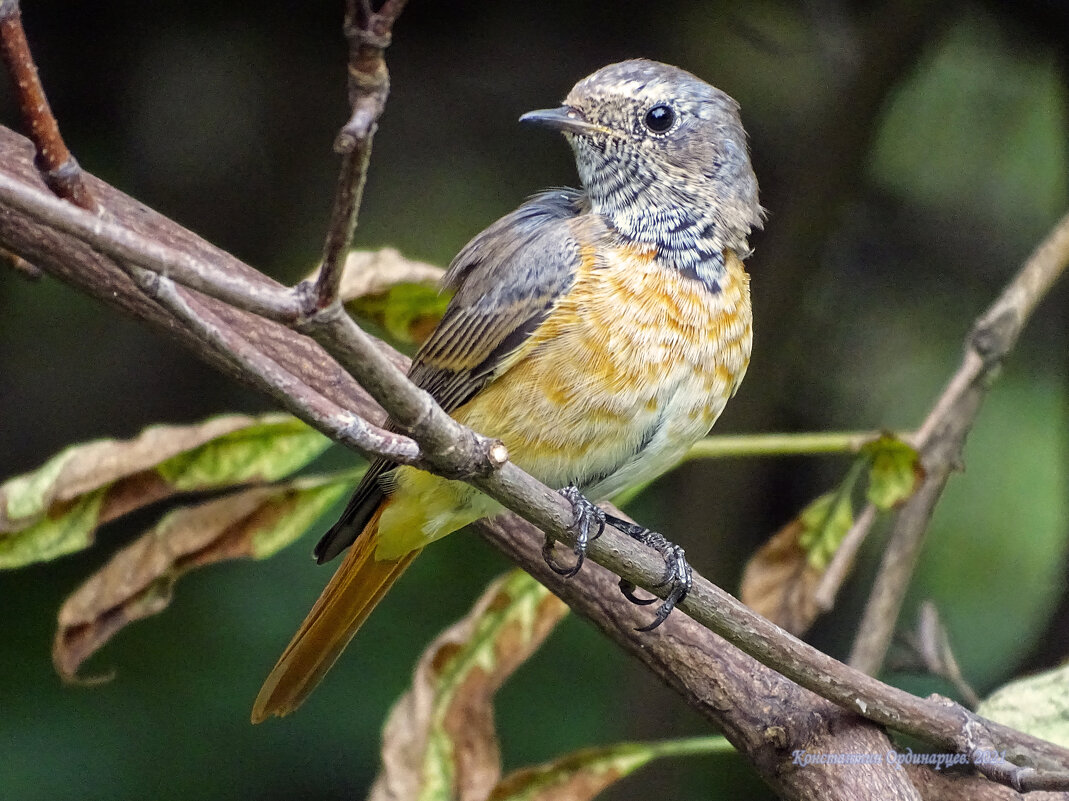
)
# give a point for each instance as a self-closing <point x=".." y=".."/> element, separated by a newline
<point x="598" y="333"/>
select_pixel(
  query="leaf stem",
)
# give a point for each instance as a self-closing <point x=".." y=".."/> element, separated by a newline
<point x="685" y="746"/>
<point x="814" y="442"/>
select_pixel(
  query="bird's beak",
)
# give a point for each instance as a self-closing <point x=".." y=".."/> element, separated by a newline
<point x="566" y="119"/>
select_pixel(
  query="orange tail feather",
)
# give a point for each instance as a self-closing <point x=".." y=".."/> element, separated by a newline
<point x="355" y="589"/>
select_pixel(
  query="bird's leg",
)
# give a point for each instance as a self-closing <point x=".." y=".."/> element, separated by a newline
<point x="587" y="516"/>
<point x="677" y="573"/>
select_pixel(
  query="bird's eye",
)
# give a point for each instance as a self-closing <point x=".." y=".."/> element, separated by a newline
<point x="659" y="118"/>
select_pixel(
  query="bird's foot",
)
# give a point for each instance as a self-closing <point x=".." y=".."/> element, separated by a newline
<point x="588" y="517"/>
<point x="677" y="573"/>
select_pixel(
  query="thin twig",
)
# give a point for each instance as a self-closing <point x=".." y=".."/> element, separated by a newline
<point x="24" y="268"/>
<point x="749" y="445"/>
<point x="942" y="436"/>
<point x="265" y="297"/>
<point x="286" y="389"/>
<point x="54" y="161"/>
<point x="927" y="649"/>
<point x="369" y="35"/>
<point x="464" y="452"/>
<point x="839" y="567"/>
<point x="347" y="196"/>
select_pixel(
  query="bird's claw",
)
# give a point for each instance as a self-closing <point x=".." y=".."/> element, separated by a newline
<point x="677" y="573"/>
<point x="587" y="516"/>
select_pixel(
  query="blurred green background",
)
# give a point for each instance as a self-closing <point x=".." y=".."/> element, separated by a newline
<point x="911" y="154"/>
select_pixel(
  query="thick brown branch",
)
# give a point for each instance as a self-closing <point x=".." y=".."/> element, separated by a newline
<point x="760" y="711"/>
<point x="942" y="437"/>
<point x="955" y="786"/>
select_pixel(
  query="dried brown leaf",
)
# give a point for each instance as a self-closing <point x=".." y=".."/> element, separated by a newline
<point x="56" y="509"/>
<point x="779" y="581"/>
<point x="439" y="741"/>
<point x="90" y="466"/>
<point x="138" y="580"/>
<point x="372" y="272"/>
<point x="568" y="779"/>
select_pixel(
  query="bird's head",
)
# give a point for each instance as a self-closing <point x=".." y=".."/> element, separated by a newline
<point x="661" y="154"/>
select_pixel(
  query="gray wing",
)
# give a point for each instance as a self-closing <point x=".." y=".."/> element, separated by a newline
<point x="506" y="282"/>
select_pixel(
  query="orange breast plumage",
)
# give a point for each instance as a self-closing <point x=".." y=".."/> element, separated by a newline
<point x="633" y="365"/>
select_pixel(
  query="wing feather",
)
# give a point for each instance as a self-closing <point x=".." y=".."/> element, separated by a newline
<point x="506" y="282"/>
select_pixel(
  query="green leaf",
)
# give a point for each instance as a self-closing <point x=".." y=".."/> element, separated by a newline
<point x="294" y="509"/>
<point x="825" y="522"/>
<point x="1037" y="705"/>
<point x="273" y="447"/>
<point x="408" y="312"/>
<point x="894" y="471"/>
<point x="581" y="775"/>
<point x="51" y="538"/>
<point x="27" y="495"/>
<point x="56" y="509"/>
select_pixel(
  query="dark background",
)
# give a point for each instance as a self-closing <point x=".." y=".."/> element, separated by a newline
<point x="910" y="153"/>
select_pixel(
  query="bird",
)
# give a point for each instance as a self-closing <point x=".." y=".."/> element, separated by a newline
<point x="596" y="332"/>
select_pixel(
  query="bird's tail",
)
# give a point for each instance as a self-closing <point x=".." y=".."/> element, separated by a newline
<point x="353" y="592"/>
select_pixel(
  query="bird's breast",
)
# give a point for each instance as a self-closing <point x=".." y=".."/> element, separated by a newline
<point x="632" y="366"/>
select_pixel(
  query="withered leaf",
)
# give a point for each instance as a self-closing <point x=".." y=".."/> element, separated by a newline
<point x="581" y="775"/>
<point x="372" y="272"/>
<point x="138" y="580"/>
<point x="439" y="741"/>
<point x="57" y="508"/>
<point x="779" y="581"/>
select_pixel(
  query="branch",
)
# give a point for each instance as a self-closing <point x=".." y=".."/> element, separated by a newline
<point x="448" y="448"/>
<point x="941" y="438"/>
<point x="67" y="256"/>
<point x="369" y="34"/>
<point x="55" y="162"/>
<point x="275" y="381"/>
<point x="464" y="453"/>
<point x="87" y="269"/>
<point x="760" y="711"/>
